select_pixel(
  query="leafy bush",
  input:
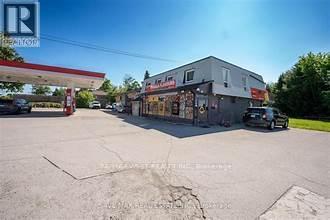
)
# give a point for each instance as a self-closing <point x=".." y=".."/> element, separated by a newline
<point x="6" y="97"/>
<point x="83" y="98"/>
<point x="46" y="105"/>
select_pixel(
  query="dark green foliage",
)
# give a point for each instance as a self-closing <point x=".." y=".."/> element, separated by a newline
<point x="130" y="83"/>
<point x="83" y="98"/>
<point x="106" y="86"/>
<point x="9" y="53"/>
<point x="41" y="90"/>
<point x="146" y="75"/>
<point x="59" y="92"/>
<point x="304" y="90"/>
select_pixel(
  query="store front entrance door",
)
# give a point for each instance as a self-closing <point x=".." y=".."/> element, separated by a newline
<point x="202" y="109"/>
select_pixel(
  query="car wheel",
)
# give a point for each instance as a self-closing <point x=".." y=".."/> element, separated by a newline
<point x="271" y="125"/>
<point x="286" y="124"/>
<point x="18" y="111"/>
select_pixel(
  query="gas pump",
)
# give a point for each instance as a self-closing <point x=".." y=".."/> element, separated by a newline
<point x="68" y="102"/>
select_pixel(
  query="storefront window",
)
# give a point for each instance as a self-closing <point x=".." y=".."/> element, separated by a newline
<point x="168" y="106"/>
<point x="176" y="105"/>
<point x="189" y="105"/>
<point x="175" y="108"/>
<point x="182" y="105"/>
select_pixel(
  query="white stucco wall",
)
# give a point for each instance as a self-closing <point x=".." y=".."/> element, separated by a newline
<point x="235" y="84"/>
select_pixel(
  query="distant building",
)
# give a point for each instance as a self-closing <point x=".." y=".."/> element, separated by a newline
<point x="130" y="100"/>
<point x="101" y="96"/>
<point x="207" y="91"/>
<point x="121" y="99"/>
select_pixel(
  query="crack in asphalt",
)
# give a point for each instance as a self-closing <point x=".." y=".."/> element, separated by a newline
<point x="179" y="195"/>
<point x="104" y="174"/>
<point x="18" y="159"/>
<point x="64" y="171"/>
<point x="184" y="192"/>
<point x="83" y="178"/>
<point x="303" y="177"/>
<point x="103" y="145"/>
<point x="168" y="155"/>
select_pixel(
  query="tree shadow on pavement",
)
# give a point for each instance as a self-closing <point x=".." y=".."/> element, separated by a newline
<point x="36" y="114"/>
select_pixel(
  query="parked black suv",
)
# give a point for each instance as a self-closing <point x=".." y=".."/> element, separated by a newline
<point x="265" y="117"/>
<point x="14" y="106"/>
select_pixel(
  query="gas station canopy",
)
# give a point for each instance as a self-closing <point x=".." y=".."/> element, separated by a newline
<point x="49" y="75"/>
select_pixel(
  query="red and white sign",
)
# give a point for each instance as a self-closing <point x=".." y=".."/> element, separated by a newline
<point x="258" y="94"/>
<point x="163" y="85"/>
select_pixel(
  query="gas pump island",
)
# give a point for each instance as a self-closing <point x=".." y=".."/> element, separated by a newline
<point x="53" y="76"/>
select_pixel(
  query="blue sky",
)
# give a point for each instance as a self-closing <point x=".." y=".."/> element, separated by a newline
<point x="263" y="36"/>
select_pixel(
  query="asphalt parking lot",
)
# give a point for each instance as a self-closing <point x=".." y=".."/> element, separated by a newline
<point x="98" y="165"/>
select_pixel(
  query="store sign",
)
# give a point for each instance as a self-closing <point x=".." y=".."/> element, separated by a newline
<point x="163" y="85"/>
<point x="152" y="98"/>
<point x="258" y="94"/>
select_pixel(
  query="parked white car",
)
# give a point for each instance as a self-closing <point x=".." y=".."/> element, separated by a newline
<point x="111" y="106"/>
<point x="120" y="108"/>
<point x="95" y="104"/>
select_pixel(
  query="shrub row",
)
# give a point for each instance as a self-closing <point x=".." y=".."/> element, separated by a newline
<point x="46" y="105"/>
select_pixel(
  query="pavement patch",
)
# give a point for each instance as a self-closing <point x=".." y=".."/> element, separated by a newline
<point x="299" y="203"/>
<point x="142" y="194"/>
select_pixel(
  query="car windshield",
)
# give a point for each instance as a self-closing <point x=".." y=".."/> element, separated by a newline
<point x="21" y="101"/>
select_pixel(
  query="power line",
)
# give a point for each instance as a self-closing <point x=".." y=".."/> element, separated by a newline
<point x="100" y="48"/>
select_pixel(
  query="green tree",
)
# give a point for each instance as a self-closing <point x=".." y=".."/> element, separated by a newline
<point x="304" y="89"/>
<point x="130" y="83"/>
<point x="59" y="92"/>
<point x="112" y="93"/>
<point x="271" y="89"/>
<point x="83" y="98"/>
<point x="111" y="96"/>
<point x="41" y="90"/>
<point x="146" y="75"/>
<point x="10" y="54"/>
<point x="106" y="86"/>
